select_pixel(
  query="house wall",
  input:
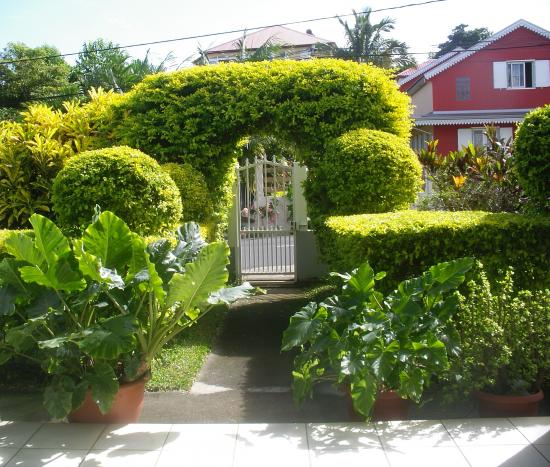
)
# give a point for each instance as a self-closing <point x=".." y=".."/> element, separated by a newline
<point x="423" y="100"/>
<point x="448" y="135"/>
<point x="520" y="44"/>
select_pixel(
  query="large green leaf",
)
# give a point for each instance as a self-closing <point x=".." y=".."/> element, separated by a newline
<point x="48" y="239"/>
<point x="302" y="327"/>
<point x="411" y="384"/>
<point x="203" y="277"/>
<point x="110" y="240"/>
<point x="104" y="385"/>
<point x="88" y="264"/>
<point x="61" y="276"/>
<point x="9" y="275"/>
<point x="143" y="272"/>
<point x="362" y="280"/>
<point x="451" y="274"/>
<point x="58" y="397"/>
<point x="7" y="300"/>
<point x="228" y="295"/>
<point x="22" y="247"/>
<point x="363" y="393"/>
<point x="110" y="339"/>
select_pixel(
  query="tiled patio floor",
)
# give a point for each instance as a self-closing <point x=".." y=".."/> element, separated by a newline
<point x="522" y="442"/>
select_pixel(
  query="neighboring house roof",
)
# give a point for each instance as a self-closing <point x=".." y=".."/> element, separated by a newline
<point x="474" y="117"/>
<point x="276" y="34"/>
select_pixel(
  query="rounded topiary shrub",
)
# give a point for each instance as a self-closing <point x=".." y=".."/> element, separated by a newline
<point x="119" y="179"/>
<point x="532" y="156"/>
<point x="369" y="171"/>
<point x="195" y="197"/>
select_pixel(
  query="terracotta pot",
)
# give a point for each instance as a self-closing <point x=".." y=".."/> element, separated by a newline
<point x="126" y="406"/>
<point x="388" y="406"/>
<point x="492" y="405"/>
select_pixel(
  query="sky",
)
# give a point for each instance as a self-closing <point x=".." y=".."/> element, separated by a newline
<point x="67" y="24"/>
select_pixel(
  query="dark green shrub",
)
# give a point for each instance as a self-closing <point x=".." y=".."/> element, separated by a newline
<point x="407" y="242"/>
<point x="195" y="197"/>
<point x="532" y="154"/>
<point x="200" y="114"/>
<point x="119" y="179"/>
<point x="369" y="171"/>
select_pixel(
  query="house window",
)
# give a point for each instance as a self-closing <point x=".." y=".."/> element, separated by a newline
<point x="463" y="89"/>
<point x="479" y="137"/>
<point x="520" y="74"/>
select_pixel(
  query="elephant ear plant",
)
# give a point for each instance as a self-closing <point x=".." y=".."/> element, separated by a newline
<point x="95" y="311"/>
<point x="373" y="343"/>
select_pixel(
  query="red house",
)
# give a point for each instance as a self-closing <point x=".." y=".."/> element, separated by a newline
<point x="497" y="81"/>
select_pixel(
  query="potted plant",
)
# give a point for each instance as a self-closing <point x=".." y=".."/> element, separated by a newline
<point x="375" y="344"/>
<point x="96" y="310"/>
<point x="505" y="356"/>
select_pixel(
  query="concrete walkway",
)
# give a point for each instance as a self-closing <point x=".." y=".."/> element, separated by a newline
<point x="518" y="442"/>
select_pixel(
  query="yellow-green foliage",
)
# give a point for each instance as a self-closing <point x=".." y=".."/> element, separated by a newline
<point x="532" y="156"/>
<point x="119" y="179"/>
<point x="199" y="115"/>
<point x="405" y="243"/>
<point x="195" y="198"/>
<point x="367" y="171"/>
<point x="33" y="151"/>
<point x="4" y="235"/>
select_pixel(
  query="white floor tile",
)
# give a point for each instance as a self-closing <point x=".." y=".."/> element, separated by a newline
<point x="16" y="434"/>
<point x="426" y="457"/>
<point x="47" y="457"/>
<point x="535" y="429"/>
<point x="6" y="454"/>
<point x="484" y="431"/>
<point x="196" y="458"/>
<point x="509" y="456"/>
<point x="123" y="458"/>
<point x="416" y="433"/>
<point x="341" y="436"/>
<point x="65" y="436"/>
<point x="271" y="445"/>
<point x="374" y="457"/>
<point x="134" y="436"/>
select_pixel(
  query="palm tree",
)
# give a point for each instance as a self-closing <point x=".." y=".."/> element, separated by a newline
<point x="365" y="43"/>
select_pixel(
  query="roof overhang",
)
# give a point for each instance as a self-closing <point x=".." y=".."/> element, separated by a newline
<point x="481" y="117"/>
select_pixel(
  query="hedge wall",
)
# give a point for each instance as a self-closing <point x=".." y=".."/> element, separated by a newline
<point x="198" y="115"/>
<point x="405" y="243"/>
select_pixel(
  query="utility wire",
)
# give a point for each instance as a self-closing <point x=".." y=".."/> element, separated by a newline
<point x="200" y="36"/>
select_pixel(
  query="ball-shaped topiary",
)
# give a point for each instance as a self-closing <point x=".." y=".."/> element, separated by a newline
<point x="195" y="196"/>
<point x="119" y="179"/>
<point x="532" y="156"/>
<point x="369" y="171"/>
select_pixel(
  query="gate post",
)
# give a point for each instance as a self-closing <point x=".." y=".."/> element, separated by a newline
<point x="233" y="233"/>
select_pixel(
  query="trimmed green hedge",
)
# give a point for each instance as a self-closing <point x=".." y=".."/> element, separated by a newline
<point x="532" y="156"/>
<point x="367" y="171"/>
<point x="198" y="115"/>
<point x="405" y="243"/>
<point x="119" y="179"/>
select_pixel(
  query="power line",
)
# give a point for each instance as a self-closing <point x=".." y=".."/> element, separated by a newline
<point x="200" y="36"/>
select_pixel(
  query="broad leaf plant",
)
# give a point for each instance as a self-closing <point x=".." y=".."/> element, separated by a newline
<point x="371" y="343"/>
<point x="96" y="310"/>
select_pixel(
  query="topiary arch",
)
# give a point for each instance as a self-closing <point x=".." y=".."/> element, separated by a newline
<point x="199" y="115"/>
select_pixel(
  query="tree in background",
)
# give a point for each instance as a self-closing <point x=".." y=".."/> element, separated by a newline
<point x="366" y="44"/>
<point x="103" y="64"/>
<point x="459" y="37"/>
<point x="30" y="79"/>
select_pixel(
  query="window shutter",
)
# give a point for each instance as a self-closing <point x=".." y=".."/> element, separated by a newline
<point x="499" y="75"/>
<point x="464" y="137"/>
<point x="506" y="133"/>
<point x="542" y="73"/>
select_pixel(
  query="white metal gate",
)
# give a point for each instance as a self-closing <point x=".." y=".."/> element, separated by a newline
<point x="265" y="237"/>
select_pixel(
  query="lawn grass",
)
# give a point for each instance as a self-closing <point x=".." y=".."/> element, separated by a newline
<point x="181" y="360"/>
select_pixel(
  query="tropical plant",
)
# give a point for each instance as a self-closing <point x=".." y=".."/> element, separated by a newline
<point x="374" y="343"/>
<point x="460" y="37"/>
<point x="505" y="335"/>
<point x="366" y="44"/>
<point x="96" y="310"/>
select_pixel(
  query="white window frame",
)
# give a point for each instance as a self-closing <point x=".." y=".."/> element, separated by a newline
<point x="523" y="80"/>
<point x="484" y="140"/>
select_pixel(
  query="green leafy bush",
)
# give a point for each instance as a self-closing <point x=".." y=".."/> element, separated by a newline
<point x="195" y="197"/>
<point x="532" y="150"/>
<point x="119" y="179"/>
<point x="365" y="171"/>
<point x="34" y="150"/>
<point x="407" y="242"/>
<point x="505" y="338"/>
<point x="199" y="115"/>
